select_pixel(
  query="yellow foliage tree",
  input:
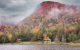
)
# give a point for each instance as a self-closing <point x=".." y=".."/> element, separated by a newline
<point x="10" y="36"/>
<point x="1" y="33"/>
<point x="35" y="31"/>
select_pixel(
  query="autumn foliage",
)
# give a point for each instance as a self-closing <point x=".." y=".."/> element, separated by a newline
<point x="50" y="19"/>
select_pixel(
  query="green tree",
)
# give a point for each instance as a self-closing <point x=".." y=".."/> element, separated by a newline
<point x="43" y="29"/>
<point x="78" y="35"/>
<point x="29" y="35"/>
<point x="49" y="34"/>
<point x="39" y="35"/>
<point x="54" y="32"/>
<point x="72" y="36"/>
<point x="34" y="38"/>
<point x="74" y="18"/>
<point x="4" y="38"/>
<point x="67" y="40"/>
<point x="13" y="39"/>
<point x="22" y="33"/>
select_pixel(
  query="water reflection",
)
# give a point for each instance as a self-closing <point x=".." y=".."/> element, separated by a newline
<point x="40" y="47"/>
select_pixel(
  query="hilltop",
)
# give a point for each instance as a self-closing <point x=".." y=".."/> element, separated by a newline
<point x="50" y="13"/>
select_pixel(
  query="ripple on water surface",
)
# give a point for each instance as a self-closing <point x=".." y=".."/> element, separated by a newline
<point x="40" y="47"/>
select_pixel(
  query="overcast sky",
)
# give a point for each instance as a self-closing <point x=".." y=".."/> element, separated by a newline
<point x="26" y="7"/>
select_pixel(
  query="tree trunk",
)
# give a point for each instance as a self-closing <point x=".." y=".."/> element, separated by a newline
<point x="63" y="39"/>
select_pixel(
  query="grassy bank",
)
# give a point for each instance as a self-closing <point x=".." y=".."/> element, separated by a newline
<point x="46" y="43"/>
<point x="27" y="43"/>
<point x="35" y="43"/>
<point x="43" y="43"/>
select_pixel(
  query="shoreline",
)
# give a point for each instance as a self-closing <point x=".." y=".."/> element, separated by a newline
<point x="39" y="43"/>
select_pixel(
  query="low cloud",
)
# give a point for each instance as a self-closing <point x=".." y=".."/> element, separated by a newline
<point x="68" y="9"/>
<point x="26" y="7"/>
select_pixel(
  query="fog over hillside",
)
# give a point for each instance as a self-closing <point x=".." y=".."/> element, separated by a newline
<point x="25" y="9"/>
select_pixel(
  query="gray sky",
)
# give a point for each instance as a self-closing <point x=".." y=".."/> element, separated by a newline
<point x="26" y="7"/>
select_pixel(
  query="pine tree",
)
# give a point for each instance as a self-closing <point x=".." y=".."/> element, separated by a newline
<point x="79" y="35"/>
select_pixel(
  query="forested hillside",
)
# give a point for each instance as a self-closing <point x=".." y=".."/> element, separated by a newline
<point x="50" y="19"/>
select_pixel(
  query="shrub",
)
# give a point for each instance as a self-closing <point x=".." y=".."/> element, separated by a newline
<point x="67" y="40"/>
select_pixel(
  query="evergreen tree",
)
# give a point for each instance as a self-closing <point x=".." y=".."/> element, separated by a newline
<point x="78" y="35"/>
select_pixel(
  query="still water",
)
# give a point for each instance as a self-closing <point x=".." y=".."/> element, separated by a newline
<point x="40" y="47"/>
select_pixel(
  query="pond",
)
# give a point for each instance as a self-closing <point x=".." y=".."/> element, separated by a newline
<point x="39" y="47"/>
